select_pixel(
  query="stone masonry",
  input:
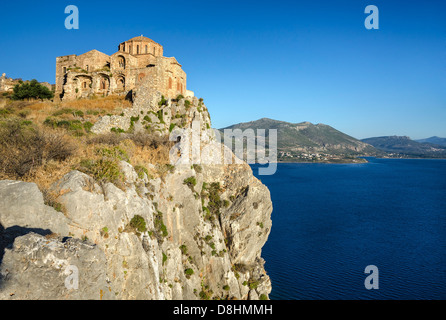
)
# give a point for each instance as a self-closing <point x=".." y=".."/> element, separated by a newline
<point x="138" y="60"/>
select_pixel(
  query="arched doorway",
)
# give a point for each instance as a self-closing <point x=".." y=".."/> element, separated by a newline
<point x="104" y="83"/>
<point x="120" y="84"/>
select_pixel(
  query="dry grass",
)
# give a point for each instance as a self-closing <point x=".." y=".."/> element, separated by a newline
<point x="110" y="103"/>
<point x="39" y="111"/>
<point x="24" y="146"/>
<point x="43" y="155"/>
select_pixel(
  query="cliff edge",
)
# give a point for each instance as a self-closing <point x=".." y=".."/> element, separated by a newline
<point x="180" y="231"/>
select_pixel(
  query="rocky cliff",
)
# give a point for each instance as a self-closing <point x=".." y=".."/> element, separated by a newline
<point x="182" y="231"/>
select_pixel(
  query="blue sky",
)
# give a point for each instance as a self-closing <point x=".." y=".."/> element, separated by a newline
<point x="287" y="60"/>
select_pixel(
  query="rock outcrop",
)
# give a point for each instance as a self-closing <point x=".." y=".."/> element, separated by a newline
<point x="192" y="232"/>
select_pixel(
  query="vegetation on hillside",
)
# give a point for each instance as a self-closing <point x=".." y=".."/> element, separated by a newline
<point x="31" y="90"/>
<point x="309" y="142"/>
<point x="405" y="147"/>
<point x="40" y="141"/>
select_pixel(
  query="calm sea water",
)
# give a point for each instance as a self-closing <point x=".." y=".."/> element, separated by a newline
<point x="330" y="221"/>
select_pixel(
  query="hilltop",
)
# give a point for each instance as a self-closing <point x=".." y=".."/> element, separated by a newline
<point x="434" y="140"/>
<point x="311" y="142"/>
<point x="403" y="147"/>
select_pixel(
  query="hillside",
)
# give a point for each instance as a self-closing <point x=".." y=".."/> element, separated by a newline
<point x="88" y="188"/>
<point x="311" y="142"/>
<point x="434" y="140"/>
<point x="398" y="146"/>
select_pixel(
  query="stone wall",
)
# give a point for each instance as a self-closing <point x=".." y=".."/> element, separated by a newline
<point x="95" y="73"/>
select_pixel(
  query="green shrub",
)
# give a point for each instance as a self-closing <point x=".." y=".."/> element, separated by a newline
<point x="87" y="126"/>
<point x="75" y="127"/>
<point x="31" y="90"/>
<point x="226" y="288"/>
<point x="102" y="170"/>
<point x="204" y="295"/>
<point x="160" y="116"/>
<point x="187" y="104"/>
<point x="107" y="168"/>
<point x="163" y="102"/>
<point x="263" y="297"/>
<point x="180" y="97"/>
<point x="160" y="227"/>
<point x="197" y="168"/>
<point x="191" y="182"/>
<point x="252" y="284"/>
<point x="117" y="130"/>
<point x="4" y="113"/>
<point x="140" y="170"/>
<point x="213" y="195"/>
<point x="207" y="214"/>
<point x="138" y="223"/>
<point x="113" y="153"/>
<point x="183" y="249"/>
<point x="188" y="272"/>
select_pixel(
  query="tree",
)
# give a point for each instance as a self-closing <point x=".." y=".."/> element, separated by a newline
<point x="31" y="90"/>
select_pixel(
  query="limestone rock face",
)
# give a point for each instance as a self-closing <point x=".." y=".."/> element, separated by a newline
<point x="151" y="113"/>
<point x="22" y="205"/>
<point x="222" y="253"/>
<point x="195" y="232"/>
<point x="36" y="267"/>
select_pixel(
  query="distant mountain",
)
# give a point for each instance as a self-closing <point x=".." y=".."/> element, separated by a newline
<point x="311" y="142"/>
<point x="406" y="147"/>
<point x="434" y="140"/>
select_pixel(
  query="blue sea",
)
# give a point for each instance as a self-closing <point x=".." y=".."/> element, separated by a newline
<point x="331" y="221"/>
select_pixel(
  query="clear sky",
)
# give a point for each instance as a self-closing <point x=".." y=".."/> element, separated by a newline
<point x="294" y="61"/>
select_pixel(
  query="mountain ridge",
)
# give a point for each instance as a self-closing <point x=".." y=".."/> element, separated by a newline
<point x="404" y="146"/>
<point x="433" y="140"/>
<point x="308" y="142"/>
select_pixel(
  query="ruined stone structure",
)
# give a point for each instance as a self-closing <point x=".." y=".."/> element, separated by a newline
<point x="138" y="60"/>
<point x="8" y="84"/>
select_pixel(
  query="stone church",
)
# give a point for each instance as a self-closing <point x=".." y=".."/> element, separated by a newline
<point x="138" y="60"/>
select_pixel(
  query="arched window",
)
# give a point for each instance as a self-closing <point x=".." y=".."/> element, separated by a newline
<point x="64" y="69"/>
<point x="170" y="83"/>
<point x="121" y="62"/>
<point x="141" y="77"/>
<point x="121" y="84"/>
<point x="147" y="49"/>
<point x="103" y="85"/>
<point x="154" y="51"/>
<point x="137" y="49"/>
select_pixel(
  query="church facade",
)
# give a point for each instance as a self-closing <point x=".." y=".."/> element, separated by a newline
<point x="137" y="60"/>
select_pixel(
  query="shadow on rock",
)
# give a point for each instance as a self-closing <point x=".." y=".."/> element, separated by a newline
<point x="8" y="236"/>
